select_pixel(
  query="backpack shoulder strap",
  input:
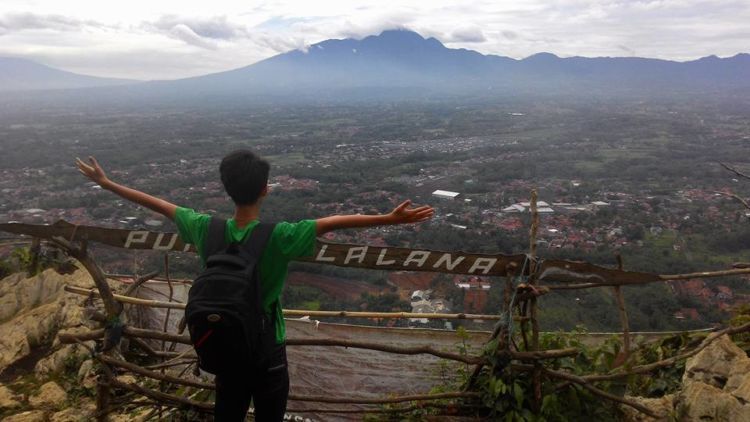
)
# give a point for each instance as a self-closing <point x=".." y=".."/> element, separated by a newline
<point x="215" y="239"/>
<point x="258" y="239"/>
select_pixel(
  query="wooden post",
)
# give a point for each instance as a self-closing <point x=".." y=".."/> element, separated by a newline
<point x="533" y="315"/>
<point x="163" y="385"/>
<point x="501" y="328"/>
<point x="623" y="312"/>
<point x="113" y="310"/>
<point x="171" y="297"/>
<point x="507" y="308"/>
<point x="34" y="251"/>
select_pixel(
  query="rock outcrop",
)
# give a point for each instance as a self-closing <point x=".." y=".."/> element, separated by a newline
<point x="715" y="387"/>
<point x="50" y="395"/>
<point x="33" y="310"/>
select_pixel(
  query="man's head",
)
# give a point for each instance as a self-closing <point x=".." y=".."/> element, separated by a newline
<point x="244" y="175"/>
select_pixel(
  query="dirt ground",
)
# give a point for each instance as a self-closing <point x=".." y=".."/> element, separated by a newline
<point x="338" y="288"/>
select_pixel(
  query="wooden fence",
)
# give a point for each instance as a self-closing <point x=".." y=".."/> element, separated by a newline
<point x="525" y="277"/>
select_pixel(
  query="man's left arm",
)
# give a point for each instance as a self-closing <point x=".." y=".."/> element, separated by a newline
<point x="402" y="214"/>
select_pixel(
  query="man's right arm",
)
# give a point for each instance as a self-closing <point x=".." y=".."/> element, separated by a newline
<point x="94" y="171"/>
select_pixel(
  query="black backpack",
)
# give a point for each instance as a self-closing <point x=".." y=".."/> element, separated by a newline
<point x="224" y="311"/>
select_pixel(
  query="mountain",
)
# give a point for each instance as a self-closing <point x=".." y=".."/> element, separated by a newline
<point x="20" y="74"/>
<point x="403" y="61"/>
<point x="403" y="64"/>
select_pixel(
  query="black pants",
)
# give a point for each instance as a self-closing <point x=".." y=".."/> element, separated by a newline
<point x="268" y="387"/>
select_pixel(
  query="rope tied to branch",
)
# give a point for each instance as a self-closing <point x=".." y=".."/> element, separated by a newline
<point x="113" y="331"/>
<point x="519" y="280"/>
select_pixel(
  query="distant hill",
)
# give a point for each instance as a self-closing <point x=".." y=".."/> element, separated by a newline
<point x="20" y="75"/>
<point x="400" y="61"/>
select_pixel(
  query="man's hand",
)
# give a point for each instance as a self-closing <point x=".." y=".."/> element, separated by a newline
<point x="92" y="170"/>
<point x="402" y="214"/>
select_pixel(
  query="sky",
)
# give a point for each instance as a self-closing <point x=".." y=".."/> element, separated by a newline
<point x="170" y="39"/>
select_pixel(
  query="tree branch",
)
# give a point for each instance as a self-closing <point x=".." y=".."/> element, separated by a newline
<point x="112" y="306"/>
<point x="601" y="393"/>
<point x="734" y="170"/>
<point x="731" y="195"/>
<point x="138" y="281"/>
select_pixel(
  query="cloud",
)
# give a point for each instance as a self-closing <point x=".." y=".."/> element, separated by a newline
<point x="281" y="44"/>
<point x="186" y="34"/>
<point x="467" y="35"/>
<point x="205" y="33"/>
<point x="220" y="35"/>
<point x="11" y="22"/>
<point x="216" y="28"/>
<point x="361" y="26"/>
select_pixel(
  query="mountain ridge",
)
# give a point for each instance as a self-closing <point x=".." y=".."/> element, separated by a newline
<point x="19" y="74"/>
<point x="404" y="61"/>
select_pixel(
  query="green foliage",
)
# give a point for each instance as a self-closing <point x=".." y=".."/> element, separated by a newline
<point x="24" y="259"/>
<point x="663" y="380"/>
<point x="741" y="316"/>
<point x="6" y="268"/>
<point x="507" y="395"/>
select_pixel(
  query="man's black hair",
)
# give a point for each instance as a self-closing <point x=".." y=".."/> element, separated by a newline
<point x="244" y="175"/>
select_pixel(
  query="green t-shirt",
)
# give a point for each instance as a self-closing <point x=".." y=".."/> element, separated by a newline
<point x="288" y="241"/>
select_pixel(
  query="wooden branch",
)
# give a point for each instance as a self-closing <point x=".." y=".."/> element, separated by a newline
<point x="385" y="348"/>
<point x="386" y="400"/>
<point x="577" y="286"/>
<point x="72" y="338"/>
<point x="386" y="315"/>
<point x="157" y="335"/>
<point x="160" y="397"/>
<point x="535" y="355"/>
<point x="293" y="397"/>
<point x="735" y="197"/>
<point x="734" y="170"/>
<point x="126" y="299"/>
<point x="374" y="411"/>
<point x="292" y="312"/>
<point x="598" y="392"/>
<point x="143" y="346"/>
<point x="662" y="277"/>
<point x="138" y="281"/>
<point x="704" y="274"/>
<point x="176" y="361"/>
<point x="153" y="374"/>
<point x="184" y="339"/>
<point x="112" y="307"/>
<point x="670" y="361"/>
